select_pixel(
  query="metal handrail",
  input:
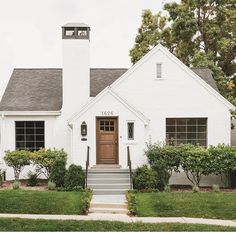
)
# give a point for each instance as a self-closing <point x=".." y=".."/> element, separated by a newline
<point x="129" y="164"/>
<point x="86" y="170"/>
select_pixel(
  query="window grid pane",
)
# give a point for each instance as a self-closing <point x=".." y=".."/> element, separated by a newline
<point x="159" y="70"/>
<point x="186" y="130"/>
<point x="130" y="127"/>
<point x="29" y="135"/>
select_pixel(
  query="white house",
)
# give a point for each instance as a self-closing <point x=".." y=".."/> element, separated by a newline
<point x="159" y="99"/>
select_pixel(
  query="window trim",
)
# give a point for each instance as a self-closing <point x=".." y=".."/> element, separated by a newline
<point x="35" y="141"/>
<point x="197" y="125"/>
<point x="159" y="64"/>
<point x="127" y="131"/>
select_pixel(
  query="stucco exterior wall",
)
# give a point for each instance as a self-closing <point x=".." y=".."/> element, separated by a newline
<point x="177" y="94"/>
<point x="8" y="137"/>
<point x="108" y="102"/>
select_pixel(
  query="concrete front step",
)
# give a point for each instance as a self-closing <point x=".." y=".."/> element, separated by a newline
<point x="107" y="175"/>
<point x="108" y="186"/>
<point x="105" y="166"/>
<point x="109" y="191"/>
<point x="108" y="210"/>
<point x="108" y="205"/>
<point x="108" y="170"/>
<point x="108" y="180"/>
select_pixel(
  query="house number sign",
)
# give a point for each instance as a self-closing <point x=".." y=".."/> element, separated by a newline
<point x="107" y="113"/>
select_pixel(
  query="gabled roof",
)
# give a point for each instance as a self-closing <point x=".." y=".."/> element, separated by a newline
<point x="100" y="78"/>
<point x="33" y="90"/>
<point x="186" y="69"/>
<point x="41" y="89"/>
<point x="108" y="90"/>
<point x="206" y="75"/>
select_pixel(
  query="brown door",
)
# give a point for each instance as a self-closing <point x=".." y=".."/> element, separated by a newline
<point x="107" y="141"/>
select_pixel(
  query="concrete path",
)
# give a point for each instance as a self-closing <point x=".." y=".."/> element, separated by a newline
<point x="109" y="199"/>
<point x="124" y="218"/>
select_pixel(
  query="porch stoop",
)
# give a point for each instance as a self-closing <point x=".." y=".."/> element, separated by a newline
<point x="109" y="184"/>
<point x="107" y="180"/>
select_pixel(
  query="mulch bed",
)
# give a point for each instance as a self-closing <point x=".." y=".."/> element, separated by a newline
<point x="42" y="185"/>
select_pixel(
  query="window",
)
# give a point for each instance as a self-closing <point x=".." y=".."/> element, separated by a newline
<point x="130" y="132"/>
<point x="159" y="73"/>
<point x="107" y="125"/>
<point x="29" y="135"/>
<point x="186" y="130"/>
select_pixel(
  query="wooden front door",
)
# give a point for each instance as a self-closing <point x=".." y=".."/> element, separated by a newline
<point x="107" y="141"/>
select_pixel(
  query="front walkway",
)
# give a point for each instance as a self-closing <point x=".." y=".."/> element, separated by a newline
<point x="124" y="218"/>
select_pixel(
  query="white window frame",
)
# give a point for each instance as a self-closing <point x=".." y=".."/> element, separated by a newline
<point x="159" y="74"/>
<point x="127" y="131"/>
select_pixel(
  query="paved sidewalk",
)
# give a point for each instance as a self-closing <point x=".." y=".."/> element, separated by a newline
<point x="123" y="218"/>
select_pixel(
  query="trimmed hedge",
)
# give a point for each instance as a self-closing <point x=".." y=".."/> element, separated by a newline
<point x="195" y="161"/>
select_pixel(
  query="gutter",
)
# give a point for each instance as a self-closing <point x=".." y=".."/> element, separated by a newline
<point x="30" y="113"/>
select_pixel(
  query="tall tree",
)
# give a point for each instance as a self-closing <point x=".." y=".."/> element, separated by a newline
<point x="199" y="33"/>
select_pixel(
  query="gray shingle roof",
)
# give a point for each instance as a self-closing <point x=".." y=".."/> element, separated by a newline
<point x="100" y="78"/>
<point x="41" y="89"/>
<point x="206" y="75"/>
<point x="33" y="90"/>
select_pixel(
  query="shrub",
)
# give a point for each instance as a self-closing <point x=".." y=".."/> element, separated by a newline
<point x="195" y="161"/>
<point x="215" y="188"/>
<point x="144" y="178"/>
<point x="163" y="159"/>
<point x="32" y="178"/>
<point x="17" y="160"/>
<point x="85" y="203"/>
<point x="223" y="161"/>
<point x="132" y="203"/>
<point x="51" y="185"/>
<point x="16" y="184"/>
<point x="44" y="160"/>
<point x="195" y="189"/>
<point x="58" y="172"/>
<point x="1" y="177"/>
<point x="74" y="177"/>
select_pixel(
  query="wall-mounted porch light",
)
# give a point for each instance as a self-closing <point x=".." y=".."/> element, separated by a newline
<point x="83" y="128"/>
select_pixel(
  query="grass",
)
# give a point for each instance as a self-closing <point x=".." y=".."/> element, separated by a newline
<point x="58" y="225"/>
<point x="40" y="202"/>
<point x="205" y="205"/>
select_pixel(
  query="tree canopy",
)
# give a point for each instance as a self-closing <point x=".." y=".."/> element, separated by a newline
<point x="199" y="32"/>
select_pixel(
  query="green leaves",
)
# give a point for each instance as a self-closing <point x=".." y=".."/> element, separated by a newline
<point x="195" y="161"/>
<point x="44" y="160"/>
<point x="17" y="160"/>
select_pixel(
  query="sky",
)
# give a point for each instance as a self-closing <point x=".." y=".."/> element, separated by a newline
<point x="30" y="31"/>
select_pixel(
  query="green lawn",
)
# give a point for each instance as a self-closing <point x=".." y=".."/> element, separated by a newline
<point x="40" y="202"/>
<point x="205" y="205"/>
<point x="46" y="225"/>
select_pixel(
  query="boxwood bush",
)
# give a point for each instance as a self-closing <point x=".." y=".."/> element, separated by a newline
<point x="144" y="178"/>
<point x="74" y="177"/>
